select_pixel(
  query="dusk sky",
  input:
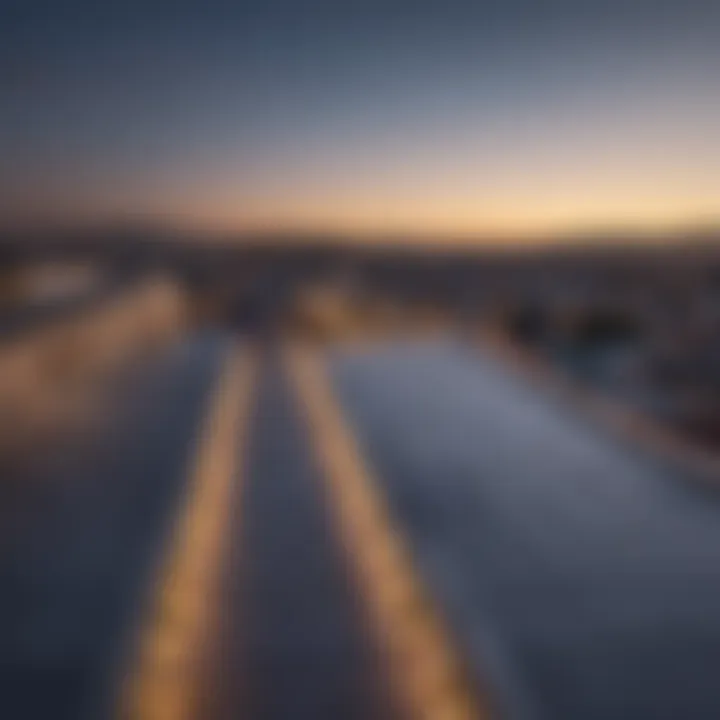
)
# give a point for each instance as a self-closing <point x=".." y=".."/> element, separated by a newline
<point x="463" y="116"/>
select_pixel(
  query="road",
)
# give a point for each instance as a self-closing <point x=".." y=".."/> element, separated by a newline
<point x="305" y="651"/>
<point x="79" y="534"/>
<point x="582" y="577"/>
<point x="571" y="575"/>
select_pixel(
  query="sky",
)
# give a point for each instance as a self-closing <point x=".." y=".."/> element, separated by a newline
<point x="455" y="116"/>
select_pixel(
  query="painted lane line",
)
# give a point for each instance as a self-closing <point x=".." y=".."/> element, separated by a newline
<point x="165" y="678"/>
<point x="427" y="678"/>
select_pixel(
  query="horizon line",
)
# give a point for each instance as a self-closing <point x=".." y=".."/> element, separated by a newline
<point x="611" y="231"/>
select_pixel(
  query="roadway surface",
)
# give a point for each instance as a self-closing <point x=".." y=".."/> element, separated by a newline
<point x="302" y="643"/>
<point x="80" y="530"/>
<point x="581" y="578"/>
<point x="578" y="578"/>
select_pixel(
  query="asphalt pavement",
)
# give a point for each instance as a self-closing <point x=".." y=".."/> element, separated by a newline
<point x="300" y="651"/>
<point x="578" y="577"/>
<point x="581" y="577"/>
<point x="87" y="525"/>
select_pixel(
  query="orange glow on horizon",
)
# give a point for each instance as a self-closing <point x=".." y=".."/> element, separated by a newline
<point x="546" y="203"/>
<point x="531" y="225"/>
<point x="527" y="220"/>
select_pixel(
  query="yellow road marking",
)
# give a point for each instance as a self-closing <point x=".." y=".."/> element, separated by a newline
<point x="163" y="681"/>
<point x="427" y="677"/>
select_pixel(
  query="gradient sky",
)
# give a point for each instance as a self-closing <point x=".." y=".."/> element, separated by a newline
<point x="458" y="116"/>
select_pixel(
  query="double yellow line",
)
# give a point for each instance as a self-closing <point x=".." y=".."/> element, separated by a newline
<point x="427" y="680"/>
